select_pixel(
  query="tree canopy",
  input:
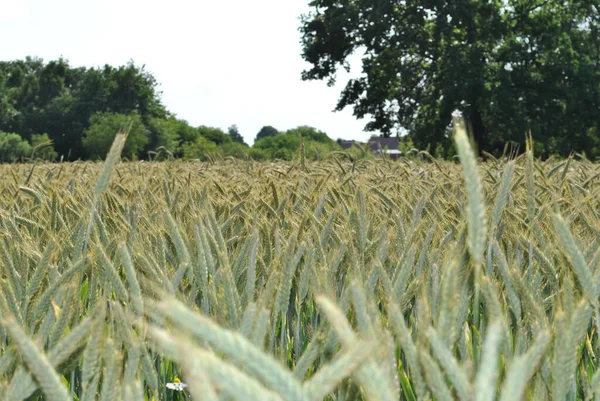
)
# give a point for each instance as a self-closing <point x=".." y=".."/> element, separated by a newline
<point x="265" y="132"/>
<point x="59" y="100"/>
<point x="235" y="135"/>
<point x="511" y="67"/>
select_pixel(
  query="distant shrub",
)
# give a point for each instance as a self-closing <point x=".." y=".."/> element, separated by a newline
<point x="257" y="154"/>
<point x="42" y="147"/>
<point x="13" y="148"/>
<point x="234" y="149"/>
<point x="104" y="127"/>
<point x="199" y="149"/>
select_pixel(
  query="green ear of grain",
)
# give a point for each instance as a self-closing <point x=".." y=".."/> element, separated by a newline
<point x="486" y="383"/>
<point x="502" y="196"/>
<point x="331" y="375"/>
<point x="22" y="384"/>
<point x="476" y="218"/>
<point x="453" y="369"/>
<point x="580" y="267"/>
<point x="134" y="285"/>
<point x="523" y="367"/>
<point x="370" y="375"/>
<point x="113" y="276"/>
<point x="435" y="378"/>
<point x="112" y="158"/>
<point x="240" y="350"/>
<point x="567" y="341"/>
<point x="403" y="334"/>
<point x="37" y="362"/>
<point x="112" y="372"/>
<point x="93" y="350"/>
<point x="232" y="381"/>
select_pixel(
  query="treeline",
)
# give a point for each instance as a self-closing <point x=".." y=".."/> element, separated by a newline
<point x="55" y="111"/>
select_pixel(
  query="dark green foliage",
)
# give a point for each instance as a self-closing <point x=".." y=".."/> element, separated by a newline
<point x="59" y="100"/>
<point x="213" y="134"/>
<point x="510" y="67"/>
<point x="265" y="132"/>
<point x="235" y="135"/>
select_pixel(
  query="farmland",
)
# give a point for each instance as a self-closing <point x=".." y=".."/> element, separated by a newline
<point x="343" y="279"/>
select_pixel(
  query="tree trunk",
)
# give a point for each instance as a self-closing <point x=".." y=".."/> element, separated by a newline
<point x="475" y="127"/>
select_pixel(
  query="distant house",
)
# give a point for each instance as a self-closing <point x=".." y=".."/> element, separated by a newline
<point x="381" y="145"/>
<point x="345" y="144"/>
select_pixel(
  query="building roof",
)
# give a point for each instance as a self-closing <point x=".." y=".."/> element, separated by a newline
<point x="378" y="142"/>
<point x="346" y="144"/>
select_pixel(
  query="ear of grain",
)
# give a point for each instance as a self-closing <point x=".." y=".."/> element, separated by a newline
<point x="435" y="378"/>
<point x="523" y="367"/>
<point x="486" y="382"/>
<point x="580" y="267"/>
<point x="568" y="338"/>
<point x="36" y="362"/>
<point x="111" y="374"/>
<point x="475" y="203"/>
<point x="237" y="348"/>
<point x="231" y="380"/>
<point x="134" y="285"/>
<point x="112" y="274"/>
<point x="329" y="376"/>
<point x="454" y="371"/>
<point x="370" y="376"/>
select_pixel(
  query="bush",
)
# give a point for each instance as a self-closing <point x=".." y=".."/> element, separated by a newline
<point x="164" y="135"/>
<point x="42" y="147"/>
<point x="320" y="150"/>
<point x="199" y="149"/>
<point x="104" y="127"/>
<point x="234" y="149"/>
<point x="283" y="146"/>
<point x="13" y="148"/>
<point x="257" y="154"/>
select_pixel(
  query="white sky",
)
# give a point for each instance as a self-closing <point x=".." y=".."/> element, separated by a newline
<point x="218" y="62"/>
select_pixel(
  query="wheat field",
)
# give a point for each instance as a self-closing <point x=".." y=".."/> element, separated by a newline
<point x="344" y="279"/>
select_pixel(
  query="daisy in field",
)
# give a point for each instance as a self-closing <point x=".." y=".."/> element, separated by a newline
<point x="177" y="385"/>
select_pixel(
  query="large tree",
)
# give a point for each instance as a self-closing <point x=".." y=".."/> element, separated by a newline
<point x="234" y="134"/>
<point x="266" y="132"/>
<point x="510" y="66"/>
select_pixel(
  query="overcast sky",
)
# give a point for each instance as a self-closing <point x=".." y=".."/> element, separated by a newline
<point x="218" y="62"/>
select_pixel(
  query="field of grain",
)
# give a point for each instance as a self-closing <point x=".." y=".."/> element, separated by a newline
<point x="338" y="280"/>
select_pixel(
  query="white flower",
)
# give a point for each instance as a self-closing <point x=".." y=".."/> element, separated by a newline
<point x="177" y="385"/>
